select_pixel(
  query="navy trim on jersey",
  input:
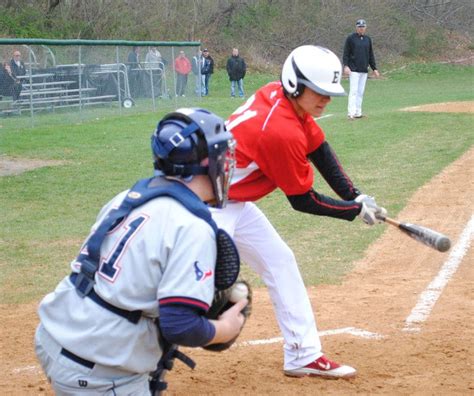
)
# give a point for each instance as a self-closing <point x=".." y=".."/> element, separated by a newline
<point x="184" y="325"/>
<point x="188" y="301"/>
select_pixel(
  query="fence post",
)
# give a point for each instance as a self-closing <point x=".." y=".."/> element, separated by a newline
<point x="79" y="72"/>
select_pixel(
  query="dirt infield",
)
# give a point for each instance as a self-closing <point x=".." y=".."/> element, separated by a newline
<point x="448" y="107"/>
<point x="10" y="166"/>
<point x="361" y="320"/>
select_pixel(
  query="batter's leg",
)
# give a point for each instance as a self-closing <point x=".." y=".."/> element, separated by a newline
<point x="264" y="251"/>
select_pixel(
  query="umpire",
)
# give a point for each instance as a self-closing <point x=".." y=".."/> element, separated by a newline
<point x="358" y="56"/>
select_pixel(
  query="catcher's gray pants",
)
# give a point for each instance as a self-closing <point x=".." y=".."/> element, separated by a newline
<point x="70" y="378"/>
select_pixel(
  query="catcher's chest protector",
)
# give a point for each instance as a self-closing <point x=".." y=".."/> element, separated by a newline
<point x="228" y="262"/>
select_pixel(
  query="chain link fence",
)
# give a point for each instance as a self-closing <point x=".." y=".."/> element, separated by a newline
<point x="57" y="81"/>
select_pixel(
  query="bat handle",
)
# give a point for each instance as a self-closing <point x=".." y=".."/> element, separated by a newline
<point x="389" y="220"/>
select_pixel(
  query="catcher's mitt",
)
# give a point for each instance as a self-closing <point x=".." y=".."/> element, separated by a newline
<point x="222" y="303"/>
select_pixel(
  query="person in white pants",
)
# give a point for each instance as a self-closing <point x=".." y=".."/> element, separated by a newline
<point x="277" y="138"/>
<point x="358" y="56"/>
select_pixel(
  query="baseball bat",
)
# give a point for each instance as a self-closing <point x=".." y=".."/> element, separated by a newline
<point x="424" y="235"/>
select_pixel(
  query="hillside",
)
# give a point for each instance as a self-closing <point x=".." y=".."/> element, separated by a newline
<point x="264" y="30"/>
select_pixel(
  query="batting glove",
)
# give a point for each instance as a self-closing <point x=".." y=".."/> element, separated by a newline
<point x="370" y="212"/>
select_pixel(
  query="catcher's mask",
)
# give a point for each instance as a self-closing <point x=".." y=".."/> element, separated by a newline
<point x="186" y="137"/>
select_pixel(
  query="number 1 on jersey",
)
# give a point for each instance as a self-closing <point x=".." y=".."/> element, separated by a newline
<point x="110" y="266"/>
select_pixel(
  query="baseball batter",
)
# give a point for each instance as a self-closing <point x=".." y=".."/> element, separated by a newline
<point x="98" y="332"/>
<point x="277" y="139"/>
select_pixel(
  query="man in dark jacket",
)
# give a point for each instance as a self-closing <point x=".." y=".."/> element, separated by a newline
<point x="358" y="56"/>
<point x="17" y="65"/>
<point x="206" y="70"/>
<point x="9" y="84"/>
<point x="236" y="69"/>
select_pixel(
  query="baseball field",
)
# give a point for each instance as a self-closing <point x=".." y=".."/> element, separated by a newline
<point x="398" y="311"/>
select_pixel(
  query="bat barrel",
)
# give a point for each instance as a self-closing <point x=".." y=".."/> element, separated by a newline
<point x="427" y="236"/>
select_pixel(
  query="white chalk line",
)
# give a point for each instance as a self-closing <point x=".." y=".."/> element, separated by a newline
<point x="430" y="295"/>
<point x="18" y="370"/>
<point x="324" y="116"/>
<point x="419" y="314"/>
<point x="346" y="330"/>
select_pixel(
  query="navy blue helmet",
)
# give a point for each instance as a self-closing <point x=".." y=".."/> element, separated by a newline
<point x="182" y="141"/>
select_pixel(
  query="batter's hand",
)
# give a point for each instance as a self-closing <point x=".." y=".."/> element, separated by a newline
<point x="376" y="73"/>
<point x="370" y="212"/>
<point x="347" y="70"/>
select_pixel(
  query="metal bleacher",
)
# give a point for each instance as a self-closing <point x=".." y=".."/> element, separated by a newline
<point x="49" y="91"/>
<point x="77" y="80"/>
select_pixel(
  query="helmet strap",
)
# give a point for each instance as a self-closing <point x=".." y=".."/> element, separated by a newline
<point x="162" y="150"/>
<point x="182" y="169"/>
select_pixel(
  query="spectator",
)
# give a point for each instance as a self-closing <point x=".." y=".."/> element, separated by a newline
<point x="99" y="332"/>
<point x="133" y="66"/>
<point x="154" y="62"/>
<point x="196" y="66"/>
<point x="236" y="69"/>
<point x="358" y="56"/>
<point x="277" y="140"/>
<point x="153" y="57"/>
<point x="17" y="65"/>
<point x="182" y="65"/>
<point x="207" y="69"/>
<point x="9" y="84"/>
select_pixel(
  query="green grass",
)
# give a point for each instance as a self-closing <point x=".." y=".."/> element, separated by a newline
<point x="47" y="212"/>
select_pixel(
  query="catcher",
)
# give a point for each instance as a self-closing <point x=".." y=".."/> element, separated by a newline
<point x="141" y="285"/>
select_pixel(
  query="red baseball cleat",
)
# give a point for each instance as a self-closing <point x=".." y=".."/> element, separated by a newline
<point x="323" y="367"/>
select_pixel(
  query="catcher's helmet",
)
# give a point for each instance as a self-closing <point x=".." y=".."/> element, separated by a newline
<point x="184" y="138"/>
<point x="314" y="67"/>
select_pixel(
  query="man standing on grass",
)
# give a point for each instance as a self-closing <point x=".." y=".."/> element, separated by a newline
<point x="236" y="69"/>
<point x="277" y="139"/>
<point x="207" y="69"/>
<point x="358" y="56"/>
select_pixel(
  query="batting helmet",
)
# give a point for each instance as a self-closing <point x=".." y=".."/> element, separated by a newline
<point x="314" y="67"/>
<point x="184" y="138"/>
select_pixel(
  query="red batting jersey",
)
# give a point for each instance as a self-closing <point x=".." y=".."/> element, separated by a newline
<point x="272" y="146"/>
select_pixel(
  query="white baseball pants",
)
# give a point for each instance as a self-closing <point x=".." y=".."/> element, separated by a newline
<point x="356" y="93"/>
<point x="265" y="252"/>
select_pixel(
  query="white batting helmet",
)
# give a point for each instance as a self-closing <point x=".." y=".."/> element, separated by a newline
<point x="314" y="67"/>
